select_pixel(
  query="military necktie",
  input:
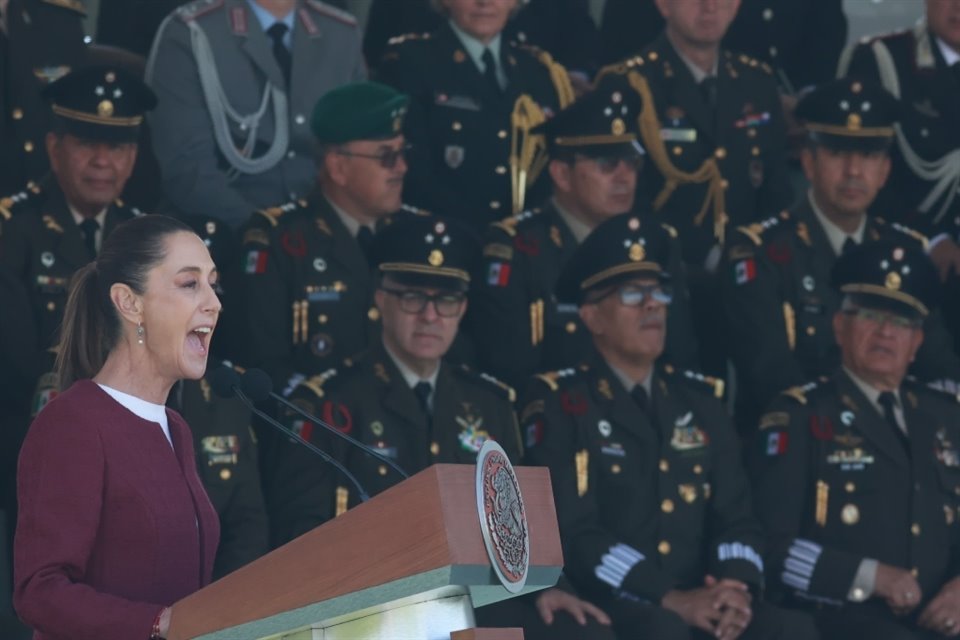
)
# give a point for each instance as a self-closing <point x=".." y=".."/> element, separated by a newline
<point x="490" y="71"/>
<point x="365" y="240"/>
<point x="708" y="90"/>
<point x="277" y="31"/>
<point x="423" y="390"/>
<point x="888" y="400"/>
<point x="848" y="244"/>
<point x="89" y="228"/>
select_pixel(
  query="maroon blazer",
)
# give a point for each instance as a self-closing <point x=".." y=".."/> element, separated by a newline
<point x="114" y="524"/>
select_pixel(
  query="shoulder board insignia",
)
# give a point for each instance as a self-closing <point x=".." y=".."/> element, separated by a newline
<point x="774" y="420"/>
<point x="766" y="67"/>
<point x="315" y="384"/>
<point x="50" y="223"/>
<point x="756" y="230"/>
<point x="409" y="208"/>
<point x="913" y="233"/>
<point x="10" y="204"/>
<point x="670" y="229"/>
<point x="503" y="387"/>
<point x="408" y="37"/>
<point x="194" y="10"/>
<point x="334" y="13"/>
<point x="799" y="393"/>
<point x="552" y="378"/>
<point x="945" y="387"/>
<point x="716" y="385"/>
<point x="273" y="214"/>
<point x="509" y="224"/>
<point x="72" y="5"/>
<point x="5" y="204"/>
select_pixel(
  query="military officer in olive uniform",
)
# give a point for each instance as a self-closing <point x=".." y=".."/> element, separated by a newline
<point x="236" y="83"/>
<point x="776" y="275"/>
<point x="653" y="505"/>
<point x="400" y="397"/>
<point x="227" y="463"/>
<point x="858" y="474"/>
<point x="55" y="227"/>
<point x="41" y="41"/>
<point x="517" y="324"/>
<point x="714" y="133"/>
<point x="464" y="81"/>
<point x="308" y="284"/>
<point x="921" y="66"/>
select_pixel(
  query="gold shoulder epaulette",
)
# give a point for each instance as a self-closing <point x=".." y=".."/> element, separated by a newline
<point x="620" y="68"/>
<point x="509" y="224"/>
<point x="9" y="204"/>
<point x="502" y="386"/>
<point x="408" y="37"/>
<point x="558" y="75"/>
<point x="670" y="229"/>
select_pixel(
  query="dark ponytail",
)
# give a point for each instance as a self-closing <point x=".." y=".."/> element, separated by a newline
<point x="92" y="326"/>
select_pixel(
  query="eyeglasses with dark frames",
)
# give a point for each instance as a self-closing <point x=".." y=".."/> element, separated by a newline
<point x="447" y="305"/>
<point x="386" y="159"/>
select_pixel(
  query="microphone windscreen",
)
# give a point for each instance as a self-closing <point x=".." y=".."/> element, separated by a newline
<point x="256" y="384"/>
<point x="223" y="380"/>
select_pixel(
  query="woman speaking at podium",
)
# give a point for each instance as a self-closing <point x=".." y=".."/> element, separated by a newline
<point x="114" y="524"/>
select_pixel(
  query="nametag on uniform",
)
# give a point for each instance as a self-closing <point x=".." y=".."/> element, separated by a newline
<point x="563" y="307"/>
<point x="614" y="449"/>
<point x="670" y="134"/>
<point x="456" y="102"/>
<point x="850" y="460"/>
<point x="324" y="295"/>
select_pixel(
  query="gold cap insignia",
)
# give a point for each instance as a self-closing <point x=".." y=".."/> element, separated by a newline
<point x="105" y="109"/>
<point x="854" y="122"/>
<point x="617" y="127"/>
<point x="616" y="97"/>
<point x="636" y="252"/>
<point x="893" y="281"/>
<point x="850" y="514"/>
<point x="898" y="253"/>
<point x="436" y="258"/>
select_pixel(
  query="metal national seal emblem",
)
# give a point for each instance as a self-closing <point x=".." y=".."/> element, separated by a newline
<point x="503" y="519"/>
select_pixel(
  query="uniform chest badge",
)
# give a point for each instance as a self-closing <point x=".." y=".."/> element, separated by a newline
<point x="850" y="459"/>
<point x="687" y="436"/>
<point x="472" y="435"/>
<point x="47" y="259"/>
<point x="221" y="449"/>
<point x="605" y="428"/>
<point x="946" y="452"/>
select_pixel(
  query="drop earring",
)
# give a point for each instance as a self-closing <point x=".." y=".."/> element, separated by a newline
<point x="139" y="332"/>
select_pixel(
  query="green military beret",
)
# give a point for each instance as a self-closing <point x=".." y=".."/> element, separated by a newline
<point x="359" y="111"/>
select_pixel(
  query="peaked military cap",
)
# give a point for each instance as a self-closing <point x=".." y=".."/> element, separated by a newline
<point x="600" y="123"/>
<point x="422" y="249"/>
<point x="890" y="276"/>
<point x="359" y="111"/>
<point x="619" y="249"/>
<point x="100" y="103"/>
<point x="850" y="114"/>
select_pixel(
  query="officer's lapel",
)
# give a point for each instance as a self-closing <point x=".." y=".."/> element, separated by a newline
<point x="614" y="401"/>
<point x="731" y="95"/>
<point x="869" y="421"/>
<point x="256" y="43"/>
<point x="823" y="256"/>
<point x="70" y="246"/>
<point x="345" y="249"/>
<point x="398" y="398"/>
<point x="685" y="92"/>
<point x="920" y="425"/>
<point x="306" y="34"/>
<point x="667" y="413"/>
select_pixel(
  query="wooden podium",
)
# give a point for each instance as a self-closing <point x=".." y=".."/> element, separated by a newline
<point x="409" y="563"/>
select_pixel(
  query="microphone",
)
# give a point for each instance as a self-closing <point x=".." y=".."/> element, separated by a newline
<point x="256" y="384"/>
<point x="227" y="383"/>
